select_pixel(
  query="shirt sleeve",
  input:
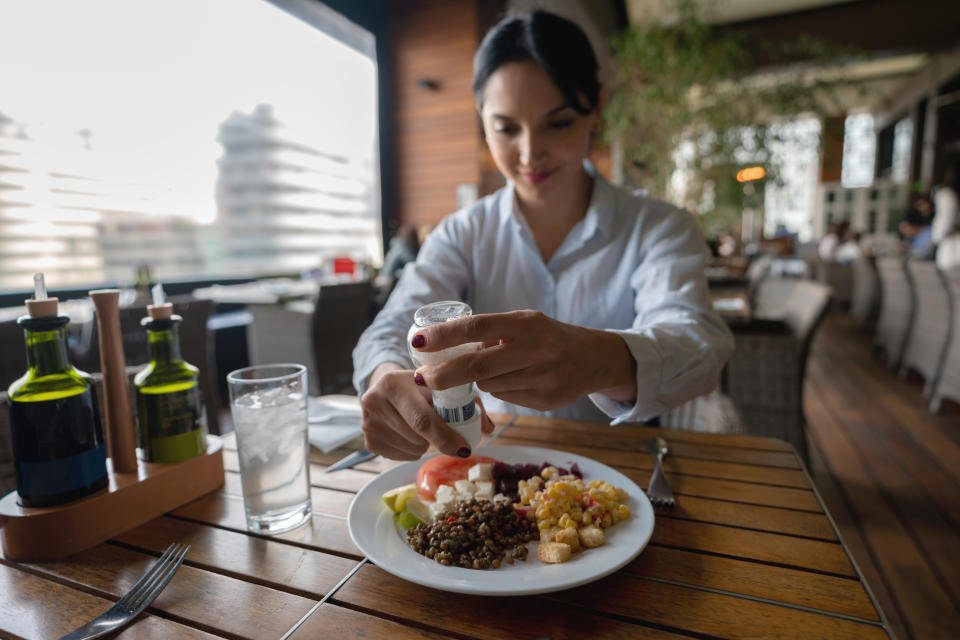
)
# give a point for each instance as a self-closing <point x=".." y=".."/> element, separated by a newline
<point x="678" y="341"/>
<point x="440" y="272"/>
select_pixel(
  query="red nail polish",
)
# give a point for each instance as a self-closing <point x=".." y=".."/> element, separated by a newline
<point x="463" y="452"/>
<point x="418" y="341"/>
<point x="419" y="380"/>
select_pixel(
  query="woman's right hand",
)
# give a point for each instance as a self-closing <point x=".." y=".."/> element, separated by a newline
<point x="399" y="421"/>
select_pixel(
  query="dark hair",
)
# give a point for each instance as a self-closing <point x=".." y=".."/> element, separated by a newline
<point x="555" y="44"/>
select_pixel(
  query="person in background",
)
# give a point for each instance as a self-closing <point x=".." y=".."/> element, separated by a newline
<point x="590" y="301"/>
<point x="948" y="250"/>
<point x="915" y="226"/>
<point x="403" y="249"/>
<point x="945" y="206"/>
<point x="827" y="249"/>
<point x="849" y="249"/>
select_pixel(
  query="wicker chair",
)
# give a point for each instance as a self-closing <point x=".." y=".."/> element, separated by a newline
<point x="930" y="330"/>
<point x="865" y="298"/>
<point x="948" y="382"/>
<point x="896" y="309"/>
<point x="839" y="277"/>
<point x="765" y="376"/>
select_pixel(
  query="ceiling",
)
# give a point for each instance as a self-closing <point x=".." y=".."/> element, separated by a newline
<point x="722" y="11"/>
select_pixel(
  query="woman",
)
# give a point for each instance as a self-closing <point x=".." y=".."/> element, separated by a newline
<point x="592" y="302"/>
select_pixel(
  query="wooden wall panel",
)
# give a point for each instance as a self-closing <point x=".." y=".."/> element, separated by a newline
<point x="437" y="131"/>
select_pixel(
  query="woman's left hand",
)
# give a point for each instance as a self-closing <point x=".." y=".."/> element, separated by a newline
<point x="530" y="359"/>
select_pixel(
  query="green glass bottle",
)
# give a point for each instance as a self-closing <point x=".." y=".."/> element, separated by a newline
<point x="171" y="422"/>
<point x="58" y="446"/>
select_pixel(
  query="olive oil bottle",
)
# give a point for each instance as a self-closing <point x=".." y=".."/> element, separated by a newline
<point x="171" y="422"/>
<point x="58" y="446"/>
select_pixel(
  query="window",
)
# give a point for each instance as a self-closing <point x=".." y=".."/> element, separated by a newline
<point x="902" y="145"/>
<point x="224" y="137"/>
<point x="859" y="151"/>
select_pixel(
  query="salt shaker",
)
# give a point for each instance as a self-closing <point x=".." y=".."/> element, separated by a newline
<point x="456" y="405"/>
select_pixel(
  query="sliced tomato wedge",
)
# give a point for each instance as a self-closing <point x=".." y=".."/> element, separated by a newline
<point x="444" y="470"/>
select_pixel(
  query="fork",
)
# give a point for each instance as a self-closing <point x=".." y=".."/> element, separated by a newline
<point x="137" y="599"/>
<point x="659" y="491"/>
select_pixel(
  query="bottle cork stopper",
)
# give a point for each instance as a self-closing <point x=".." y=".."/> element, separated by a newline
<point x="160" y="309"/>
<point x="40" y="306"/>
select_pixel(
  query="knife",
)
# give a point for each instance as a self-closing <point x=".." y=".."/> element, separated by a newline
<point x="354" y="458"/>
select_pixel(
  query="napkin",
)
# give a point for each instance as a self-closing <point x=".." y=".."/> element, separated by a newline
<point x="333" y="421"/>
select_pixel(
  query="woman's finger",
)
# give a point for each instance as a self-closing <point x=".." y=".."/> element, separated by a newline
<point x="425" y="423"/>
<point x="481" y="365"/>
<point x="486" y="327"/>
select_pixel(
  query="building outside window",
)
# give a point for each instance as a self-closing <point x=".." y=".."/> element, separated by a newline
<point x="227" y="137"/>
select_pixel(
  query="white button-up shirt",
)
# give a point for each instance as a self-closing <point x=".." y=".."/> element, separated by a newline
<point x="632" y="265"/>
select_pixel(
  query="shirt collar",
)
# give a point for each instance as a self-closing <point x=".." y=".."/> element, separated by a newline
<point x="600" y="211"/>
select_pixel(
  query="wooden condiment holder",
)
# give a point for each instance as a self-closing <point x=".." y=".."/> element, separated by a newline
<point x="137" y="492"/>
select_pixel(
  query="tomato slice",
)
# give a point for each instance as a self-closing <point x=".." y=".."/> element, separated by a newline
<point x="444" y="470"/>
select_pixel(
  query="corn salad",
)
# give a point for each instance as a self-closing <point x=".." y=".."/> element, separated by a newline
<point x="569" y="502"/>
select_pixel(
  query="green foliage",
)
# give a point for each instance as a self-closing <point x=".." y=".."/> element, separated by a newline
<point x="687" y="81"/>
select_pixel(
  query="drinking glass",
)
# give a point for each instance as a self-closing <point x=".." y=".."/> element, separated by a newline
<point x="269" y="408"/>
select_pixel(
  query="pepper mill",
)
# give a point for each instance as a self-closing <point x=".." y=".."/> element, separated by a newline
<point x="120" y="435"/>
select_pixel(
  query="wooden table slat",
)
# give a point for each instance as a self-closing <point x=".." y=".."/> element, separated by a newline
<point x="195" y="596"/>
<point x="733" y="490"/>
<point x="773" y="548"/>
<point x="333" y="621"/>
<point x="772" y="519"/>
<point x="373" y="589"/>
<point x="802" y="588"/>
<point x="33" y="607"/>
<point x="713" y="613"/>
<point x="259" y="560"/>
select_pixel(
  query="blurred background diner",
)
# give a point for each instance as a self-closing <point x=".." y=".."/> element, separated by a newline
<point x="275" y="163"/>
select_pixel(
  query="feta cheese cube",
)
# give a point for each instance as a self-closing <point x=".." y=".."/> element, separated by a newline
<point x="465" y="487"/>
<point x="484" y="489"/>
<point x="481" y="471"/>
<point x="444" y="491"/>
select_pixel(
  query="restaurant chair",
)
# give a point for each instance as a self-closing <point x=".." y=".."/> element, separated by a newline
<point x="865" y="297"/>
<point x="320" y="335"/>
<point x="896" y="309"/>
<point x="280" y="333"/>
<point x="839" y="277"/>
<point x="7" y="478"/>
<point x="13" y="364"/>
<point x="948" y="382"/>
<point x="764" y="377"/>
<point x="341" y="314"/>
<point x="930" y="329"/>
<point x="772" y="296"/>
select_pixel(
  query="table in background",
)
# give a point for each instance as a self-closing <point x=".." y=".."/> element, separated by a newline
<point x="747" y="552"/>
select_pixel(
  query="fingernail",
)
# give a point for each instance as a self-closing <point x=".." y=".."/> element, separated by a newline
<point x="418" y="341"/>
<point x="463" y="452"/>
<point x="420" y="381"/>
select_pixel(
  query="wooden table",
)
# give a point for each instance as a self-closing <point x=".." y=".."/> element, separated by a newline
<point x="747" y="552"/>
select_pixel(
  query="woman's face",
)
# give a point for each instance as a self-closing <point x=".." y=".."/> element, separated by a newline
<point x="537" y="140"/>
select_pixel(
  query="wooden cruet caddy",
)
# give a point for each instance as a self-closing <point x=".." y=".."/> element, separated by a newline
<point x="137" y="491"/>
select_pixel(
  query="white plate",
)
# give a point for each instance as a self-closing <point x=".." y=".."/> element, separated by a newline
<point x="372" y="530"/>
